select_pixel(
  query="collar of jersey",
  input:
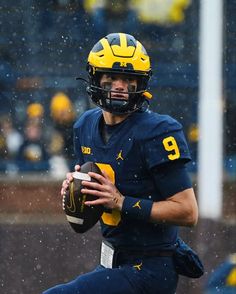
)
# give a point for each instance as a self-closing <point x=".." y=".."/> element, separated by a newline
<point x="120" y="128"/>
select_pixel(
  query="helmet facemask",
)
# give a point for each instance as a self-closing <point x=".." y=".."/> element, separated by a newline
<point x="101" y="95"/>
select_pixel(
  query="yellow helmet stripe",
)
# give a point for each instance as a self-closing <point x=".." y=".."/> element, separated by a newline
<point x="123" y="40"/>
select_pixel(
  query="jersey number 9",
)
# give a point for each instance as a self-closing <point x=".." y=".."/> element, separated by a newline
<point x="170" y="145"/>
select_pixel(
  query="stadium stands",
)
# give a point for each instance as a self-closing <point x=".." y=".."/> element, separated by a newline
<point x="48" y="44"/>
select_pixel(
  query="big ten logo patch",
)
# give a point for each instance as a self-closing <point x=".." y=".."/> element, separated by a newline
<point x="85" y="150"/>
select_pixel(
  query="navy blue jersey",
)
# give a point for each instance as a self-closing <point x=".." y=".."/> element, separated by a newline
<point x="141" y="142"/>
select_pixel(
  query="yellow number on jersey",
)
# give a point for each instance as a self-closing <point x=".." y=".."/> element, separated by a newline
<point x="113" y="218"/>
<point x="171" y="146"/>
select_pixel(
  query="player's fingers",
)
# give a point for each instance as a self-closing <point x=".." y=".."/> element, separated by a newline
<point x="69" y="177"/>
<point x="95" y="202"/>
<point x="98" y="177"/>
<point x="106" y="202"/>
<point x="77" y="167"/>
<point x="105" y="175"/>
<point x="93" y="185"/>
<point x="66" y="183"/>
<point x="100" y="194"/>
<point x="98" y="201"/>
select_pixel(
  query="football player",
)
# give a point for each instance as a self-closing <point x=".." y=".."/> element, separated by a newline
<point x="144" y="185"/>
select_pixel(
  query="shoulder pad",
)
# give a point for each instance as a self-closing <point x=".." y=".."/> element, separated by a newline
<point x="150" y="125"/>
<point x="88" y="115"/>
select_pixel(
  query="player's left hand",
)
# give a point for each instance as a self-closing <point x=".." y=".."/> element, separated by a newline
<point x="107" y="193"/>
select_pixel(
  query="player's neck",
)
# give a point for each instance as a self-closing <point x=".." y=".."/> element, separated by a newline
<point x="113" y="119"/>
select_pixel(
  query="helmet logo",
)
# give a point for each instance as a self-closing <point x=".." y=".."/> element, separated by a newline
<point x="123" y="64"/>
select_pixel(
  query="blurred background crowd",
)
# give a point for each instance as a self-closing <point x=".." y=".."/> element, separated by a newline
<point x="44" y="46"/>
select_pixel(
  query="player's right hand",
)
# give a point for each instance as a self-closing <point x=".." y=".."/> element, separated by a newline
<point x="66" y="182"/>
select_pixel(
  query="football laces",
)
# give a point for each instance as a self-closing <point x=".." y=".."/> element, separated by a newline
<point x="63" y="201"/>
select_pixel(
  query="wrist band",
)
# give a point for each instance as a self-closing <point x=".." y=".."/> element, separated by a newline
<point x="137" y="208"/>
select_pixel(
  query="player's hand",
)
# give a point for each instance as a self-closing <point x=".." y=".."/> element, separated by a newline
<point x="107" y="193"/>
<point x="66" y="182"/>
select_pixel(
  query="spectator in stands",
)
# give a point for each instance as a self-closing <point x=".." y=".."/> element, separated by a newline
<point x="32" y="155"/>
<point x="10" y="141"/>
<point x="155" y="16"/>
<point x="165" y="13"/>
<point x="35" y="115"/>
<point x="10" y="138"/>
<point x="108" y="16"/>
<point x="63" y="117"/>
<point x="59" y="165"/>
<point x="35" y="112"/>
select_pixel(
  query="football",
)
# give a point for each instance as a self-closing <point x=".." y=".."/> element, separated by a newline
<point x="80" y="216"/>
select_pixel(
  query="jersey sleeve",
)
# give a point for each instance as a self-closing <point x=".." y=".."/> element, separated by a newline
<point x="166" y="146"/>
<point x="174" y="173"/>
